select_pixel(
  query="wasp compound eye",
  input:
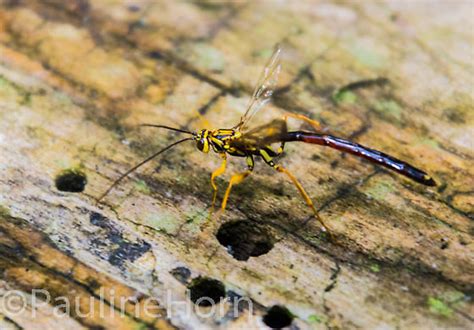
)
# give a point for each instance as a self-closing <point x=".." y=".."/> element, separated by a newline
<point x="200" y="144"/>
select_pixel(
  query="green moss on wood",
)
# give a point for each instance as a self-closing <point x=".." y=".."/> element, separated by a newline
<point x="437" y="306"/>
<point x="345" y="97"/>
<point x="388" y="109"/>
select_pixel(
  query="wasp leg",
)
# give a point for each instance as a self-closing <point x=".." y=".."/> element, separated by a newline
<point x="215" y="174"/>
<point x="314" y="123"/>
<point x="305" y="196"/>
<point x="236" y="179"/>
<point x="280" y="149"/>
<point x="269" y="160"/>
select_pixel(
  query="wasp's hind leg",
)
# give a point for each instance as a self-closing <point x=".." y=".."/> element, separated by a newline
<point x="280" y="149"/>
<point x="314" y="123"/>
<point x="268" y="158"/>
<point x="305" y="196"/>
<point x="236" y="179"/>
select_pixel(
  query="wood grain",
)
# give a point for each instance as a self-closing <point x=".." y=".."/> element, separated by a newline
<point x="77" y="77"/>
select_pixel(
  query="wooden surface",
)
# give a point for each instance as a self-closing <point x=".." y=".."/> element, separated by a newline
<point x="76" y="78"/>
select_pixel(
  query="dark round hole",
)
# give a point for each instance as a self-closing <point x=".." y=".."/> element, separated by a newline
<point x="244" y="239"/>
<point x="206" y="291"/>
<point x="71" y="180"/>
<point x="278" y="317"/>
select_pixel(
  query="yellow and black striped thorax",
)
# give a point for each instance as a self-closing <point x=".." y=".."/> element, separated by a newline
<point x="220" y="140"/>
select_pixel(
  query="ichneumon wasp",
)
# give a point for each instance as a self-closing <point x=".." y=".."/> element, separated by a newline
<point x="240" y="141"/>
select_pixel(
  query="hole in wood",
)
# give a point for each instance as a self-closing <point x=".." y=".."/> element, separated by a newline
<point x="278" y="317"/>
<point x="206" y="291"/>
<point x="244" y="239"/>
<point x="71" y="180"/>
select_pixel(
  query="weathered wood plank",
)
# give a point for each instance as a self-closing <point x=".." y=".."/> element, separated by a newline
<point x="77" y="77"/>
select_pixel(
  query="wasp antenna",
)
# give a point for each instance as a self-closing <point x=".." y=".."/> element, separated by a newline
<point x="168" y="128"/>
<point x="140" y="164"/>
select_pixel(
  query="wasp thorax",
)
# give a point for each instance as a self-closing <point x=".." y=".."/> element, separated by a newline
<point x="202" y="142"/>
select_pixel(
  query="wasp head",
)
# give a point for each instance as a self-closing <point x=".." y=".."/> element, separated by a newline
<point x="202" y="140"/>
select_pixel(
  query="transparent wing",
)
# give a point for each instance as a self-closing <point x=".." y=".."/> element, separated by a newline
<point x="265" y="135"/>
<point x="264" y="88"/>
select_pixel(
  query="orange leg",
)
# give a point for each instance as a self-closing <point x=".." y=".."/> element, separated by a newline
<point x="215" y="174"/>
<point x="304" y="194"/>
<point x="316" y="124"/>
<point x="236" y="179"/>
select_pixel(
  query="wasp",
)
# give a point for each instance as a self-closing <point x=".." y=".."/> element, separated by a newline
<point x="240" y="141"/>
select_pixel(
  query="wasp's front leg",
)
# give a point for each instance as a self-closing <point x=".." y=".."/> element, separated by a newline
<point x="215" y="174"/>
<point x="236" y="179"/>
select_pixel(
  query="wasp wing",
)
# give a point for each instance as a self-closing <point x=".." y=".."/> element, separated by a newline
<point x="264" y="88"/>
<point x="264" y="135"/>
